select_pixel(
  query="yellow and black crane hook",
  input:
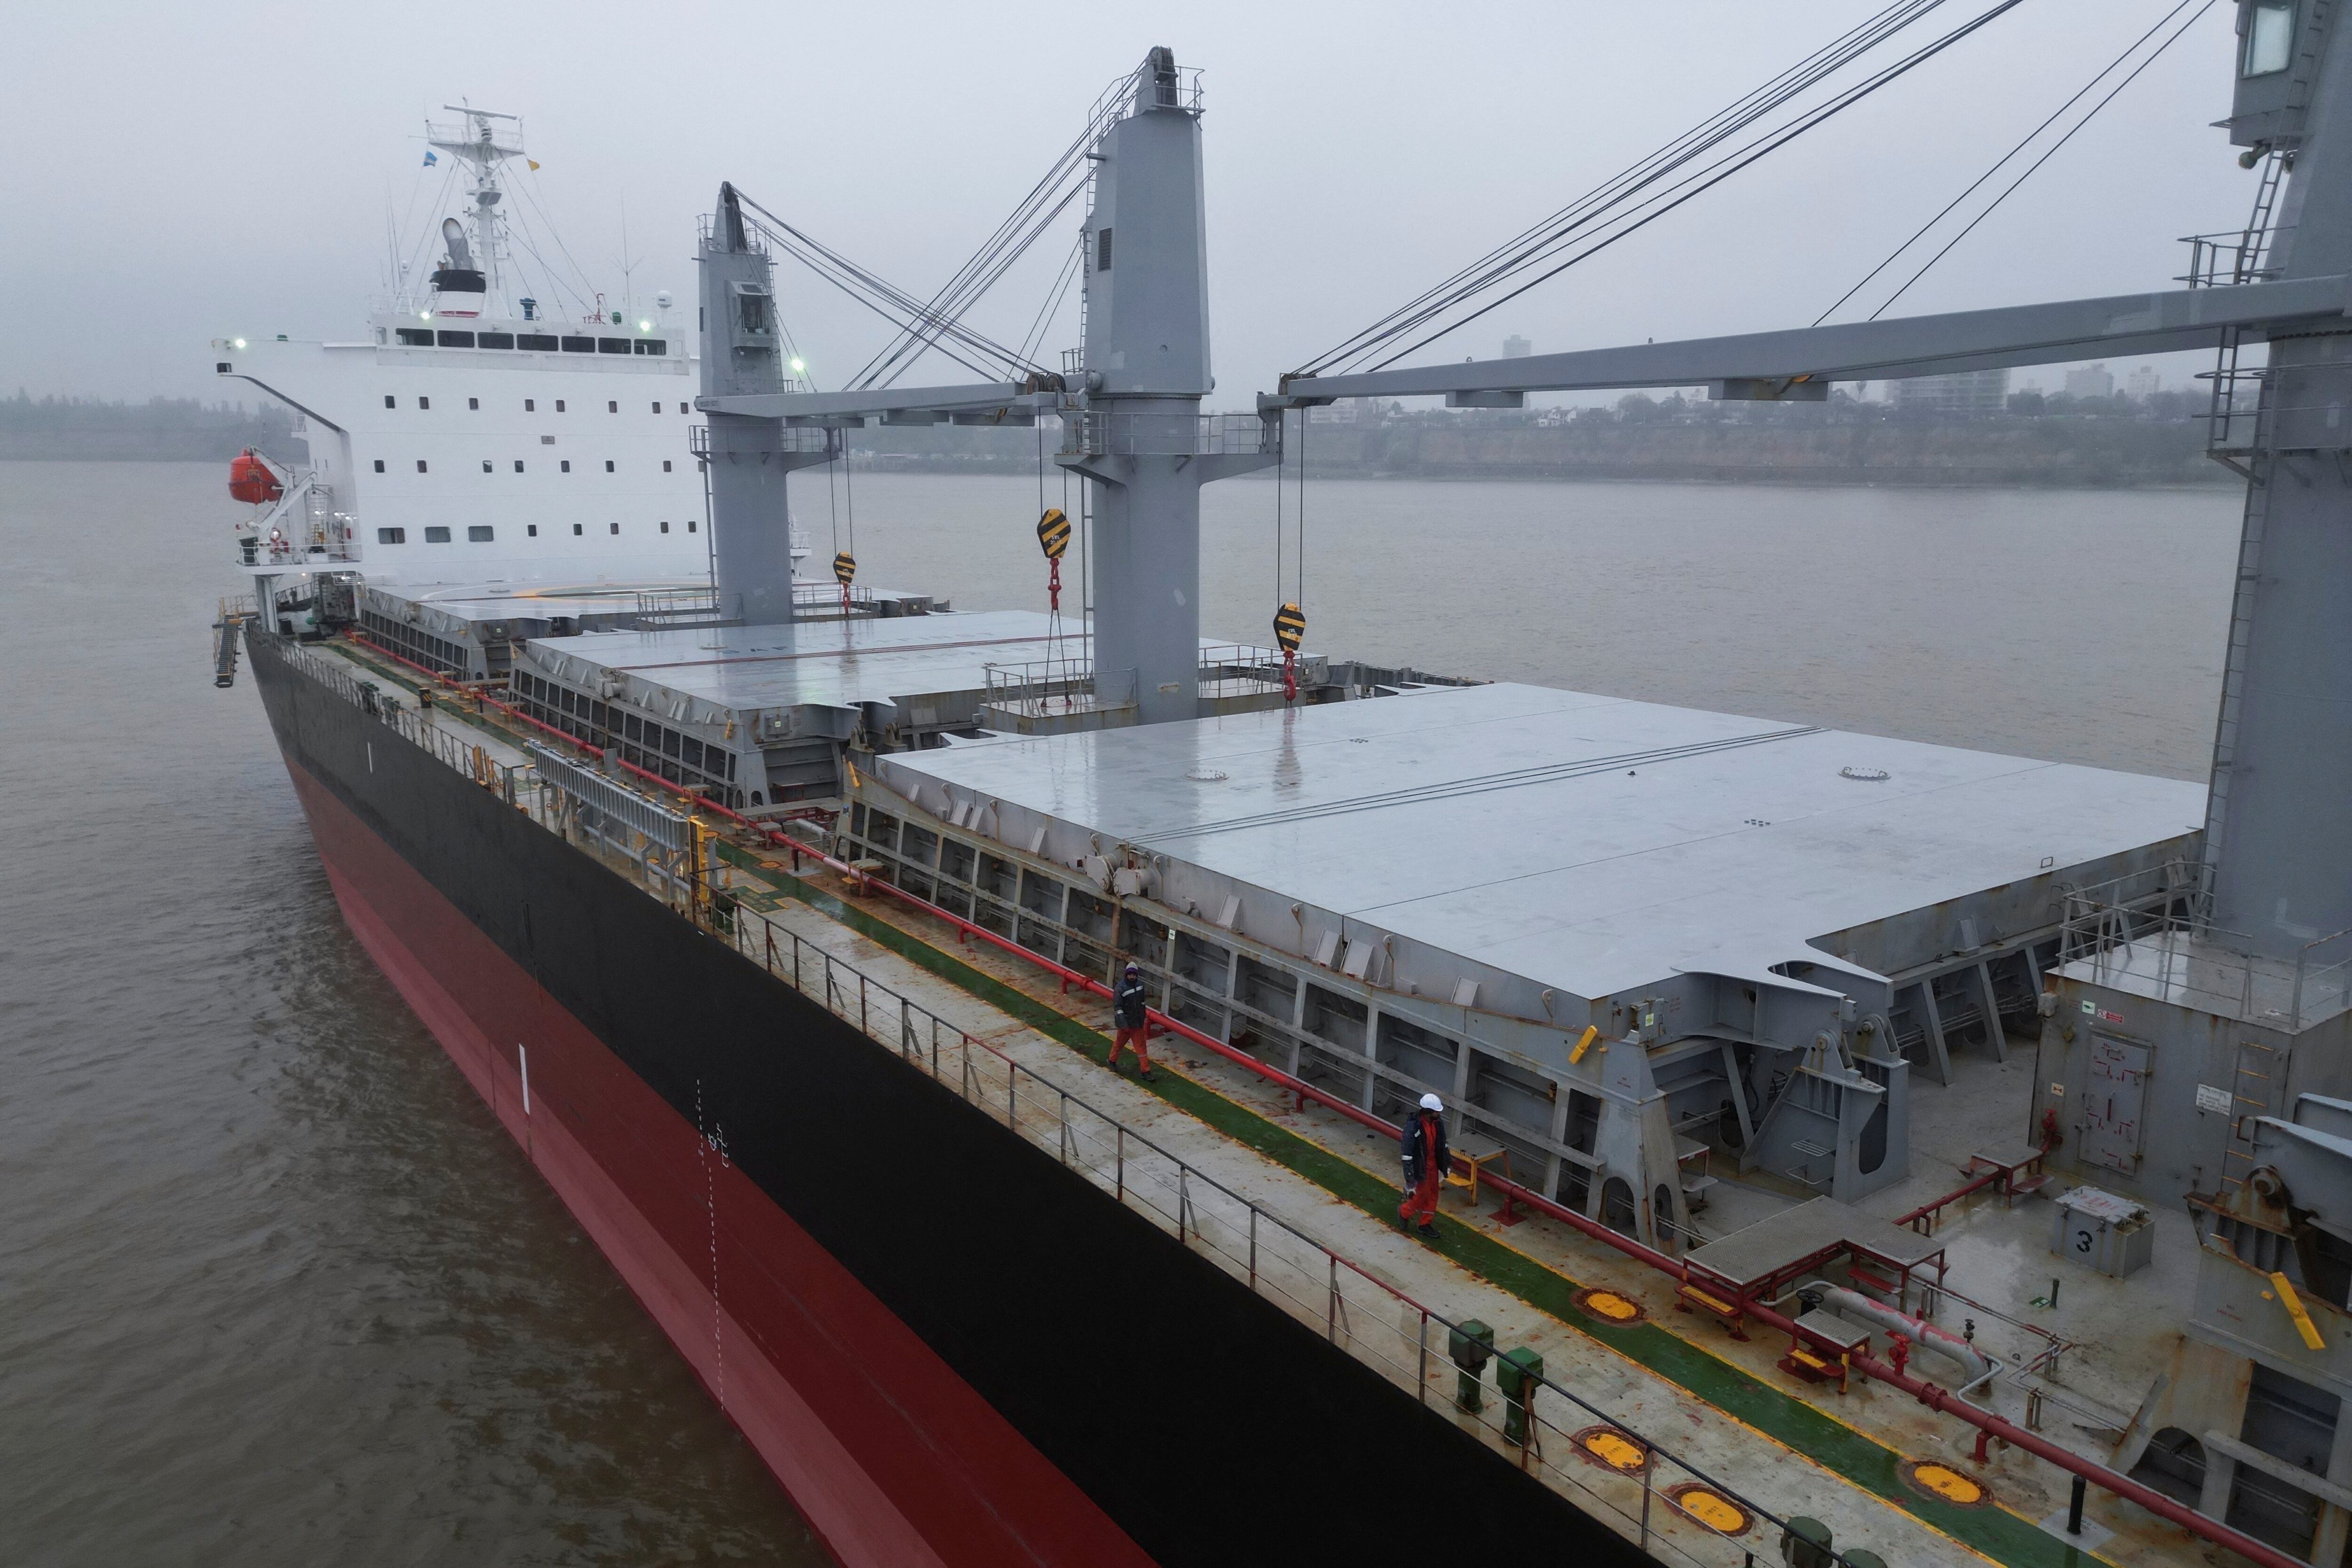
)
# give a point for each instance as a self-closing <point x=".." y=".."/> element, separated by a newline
<point x="1289" y="631"/>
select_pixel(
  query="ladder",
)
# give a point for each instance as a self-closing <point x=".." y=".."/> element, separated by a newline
<point x="2234" y="667"/>
<point x="2254" y="245"/>
<point x="2258" y="1070"/>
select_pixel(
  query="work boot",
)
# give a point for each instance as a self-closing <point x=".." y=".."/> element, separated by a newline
<point x="1427" y="1231"/>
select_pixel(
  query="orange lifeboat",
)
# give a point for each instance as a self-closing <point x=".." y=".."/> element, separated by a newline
<point x="250" y="479"/>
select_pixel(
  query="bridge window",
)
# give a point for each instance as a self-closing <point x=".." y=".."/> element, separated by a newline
<point x="456" y="339"/>
<point x="579" y="345"/>
<point x="481" y="534"/>
<point x="542" y="342"/>
<point x="391" y="536"/>
<point x="611" y="345"/>
<point x="436" y="535"/>
<point x="413" y="337"/>
<point x="2270" y="39"/>
<point x="653" y="346"/>
<point x="494" y="341"/>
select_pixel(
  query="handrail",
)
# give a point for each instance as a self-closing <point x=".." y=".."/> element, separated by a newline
<point x="1934" y="1398"/>
<point x="924" y="1048"/>
<point x="1944" y="1401"/>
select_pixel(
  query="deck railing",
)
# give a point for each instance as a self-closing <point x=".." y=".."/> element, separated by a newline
<point x="1543" y="1432"/>
<point x="1603" y="1465"/>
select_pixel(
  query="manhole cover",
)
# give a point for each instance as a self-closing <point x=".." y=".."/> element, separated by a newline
<point x="1865" y="775"/>
<point x="1704" y="1505"/>
<point x="1945" y="1484"/>
<point x="1612" y="1450"/>
<point x="1609" y="1306"/>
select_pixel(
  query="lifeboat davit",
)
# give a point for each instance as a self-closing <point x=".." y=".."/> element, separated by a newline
<point x="250" y="479"/>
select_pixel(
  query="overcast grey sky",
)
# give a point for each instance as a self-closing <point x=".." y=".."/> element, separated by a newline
<point x="180" y="173"/>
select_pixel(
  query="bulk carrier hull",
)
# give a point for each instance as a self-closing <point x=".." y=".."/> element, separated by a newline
<point x="945" y="1347"/>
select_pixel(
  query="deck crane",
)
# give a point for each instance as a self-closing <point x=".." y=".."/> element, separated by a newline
<point x="1130" y="400"/>
<point x="2278" y="837"/>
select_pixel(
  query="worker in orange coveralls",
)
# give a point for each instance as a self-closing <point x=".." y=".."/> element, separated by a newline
<point x="1126" y="1012"/>
<point x="1426" y="1160"/>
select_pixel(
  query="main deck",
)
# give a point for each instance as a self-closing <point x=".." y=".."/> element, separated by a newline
<point x="1293" y="1191"/>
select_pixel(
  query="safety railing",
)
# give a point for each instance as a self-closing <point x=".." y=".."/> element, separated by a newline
<point x="1236" y="669"/>
<point x="1182" y="92"/>
<point x="1119" y="432"/>
<point x="1576" y="1446"/>
<point x="1610" y="1469"/>
<point x="2154" y="926"/>
<point x="797" y="438"/>
<point x="2235" y="255"/>
<point x="1054" y="688"/>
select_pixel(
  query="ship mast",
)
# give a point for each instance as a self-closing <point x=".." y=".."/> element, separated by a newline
<point x="484" y="145"/>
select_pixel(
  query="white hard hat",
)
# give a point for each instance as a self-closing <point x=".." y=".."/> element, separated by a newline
<point x="1431" y="1103"/>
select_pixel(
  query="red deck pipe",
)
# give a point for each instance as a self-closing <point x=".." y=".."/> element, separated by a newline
<point x="1936" y="1398"/>
<point x="1941" y="1400"/>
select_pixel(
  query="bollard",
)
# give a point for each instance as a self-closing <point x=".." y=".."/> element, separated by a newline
<point x="1806" y="1544"/>
<point x="1517" y="1373"/>
<point x="2074" y="1508"/>
<point x="1470" y="1346"/>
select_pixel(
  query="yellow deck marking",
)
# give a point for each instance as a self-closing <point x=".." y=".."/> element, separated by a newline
<point x="1615" y="1450"/>
<point x="1609" y="1306"/>
<point x="1706" y="1506"/>
<point x="1948" y="1483"/>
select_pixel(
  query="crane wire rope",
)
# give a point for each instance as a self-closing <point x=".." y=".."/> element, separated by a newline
<point x="1994" y="204"/>
<point x="2080" y="93"/>
<point x="1531" y="241"/>
<point x="885" y="299"/>
<point x="1632" y="219"/>
<point x="1064" y="181"/>
<point x="1698" y="184"/>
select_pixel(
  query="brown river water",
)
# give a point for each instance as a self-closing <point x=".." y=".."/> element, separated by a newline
<point x="275" y="1289"/>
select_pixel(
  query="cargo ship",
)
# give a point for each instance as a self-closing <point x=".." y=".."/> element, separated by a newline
<point x="776" y="922"/>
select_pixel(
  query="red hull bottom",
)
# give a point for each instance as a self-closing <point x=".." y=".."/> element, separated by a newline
<point x="892" y="1457"/>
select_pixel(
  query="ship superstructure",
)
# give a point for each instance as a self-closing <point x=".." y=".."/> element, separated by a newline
<point x="474" y="430"/>
<point x="771" y="919"/>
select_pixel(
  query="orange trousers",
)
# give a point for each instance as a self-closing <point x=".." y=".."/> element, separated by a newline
<point x="1131" y="1038"/>
<point x="1421" y="1200"/>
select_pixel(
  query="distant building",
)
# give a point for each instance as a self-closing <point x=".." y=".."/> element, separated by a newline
<point x="1969" y="391"/>
<point x="2144" y="383"/>
<point x="2091" y="381"/>
<point x="1516" y="348"/>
